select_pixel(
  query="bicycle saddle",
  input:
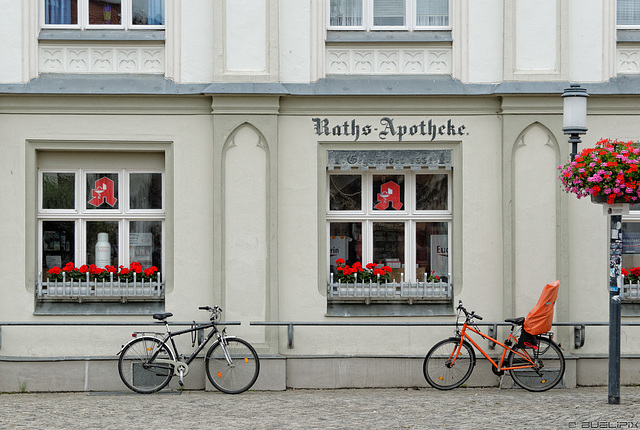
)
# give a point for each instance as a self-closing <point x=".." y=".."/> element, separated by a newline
<point x="516" y="321"/>
<point x="165" y="316"/>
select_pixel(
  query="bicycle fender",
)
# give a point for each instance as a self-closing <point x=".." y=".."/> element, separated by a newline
<point x="136" y="338"/>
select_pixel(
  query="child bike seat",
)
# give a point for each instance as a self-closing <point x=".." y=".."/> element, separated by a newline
<point x="516" y="321"/>
<point x="162" y="316"/>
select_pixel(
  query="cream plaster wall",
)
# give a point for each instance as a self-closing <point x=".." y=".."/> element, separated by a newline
<point x="189" y="247"/>
<point x="295" y="45"/>
<point x="301" y="242"/>
<point x="11" y="41"/>
<point x="485" y="41"/>
<point x="190" y="43"/>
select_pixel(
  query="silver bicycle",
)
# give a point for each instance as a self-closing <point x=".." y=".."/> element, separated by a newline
<point x="149" y="361"/>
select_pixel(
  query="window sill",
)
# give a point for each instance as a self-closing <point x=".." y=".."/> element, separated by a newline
<point x="95" y="308"/>
<point x="334" y="36"/>
<point x="102" y="35"/>
<point x="389" y="309"/>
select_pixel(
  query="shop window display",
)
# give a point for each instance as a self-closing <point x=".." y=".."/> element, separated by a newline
<point x="400" y="221"/>
<point x="86" y="221"/>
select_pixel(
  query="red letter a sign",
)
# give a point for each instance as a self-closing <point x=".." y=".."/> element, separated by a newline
<point x="389" y="194"/>
<point x="103" y="192"/>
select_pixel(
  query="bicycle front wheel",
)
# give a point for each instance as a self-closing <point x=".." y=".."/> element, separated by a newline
<point x="233" y="367"/>
<point x="449" y="364"/>
<point x="138" y="369"/>
<point x="546" y="366"/>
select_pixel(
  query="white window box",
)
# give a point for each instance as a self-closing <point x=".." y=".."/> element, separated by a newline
<point x="106" y="290"/>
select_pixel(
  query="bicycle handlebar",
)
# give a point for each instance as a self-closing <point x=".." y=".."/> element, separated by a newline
<point x="468" y="314"/>
<point x="216" y="311"/>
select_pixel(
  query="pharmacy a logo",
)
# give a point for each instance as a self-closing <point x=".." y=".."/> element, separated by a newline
<point x="389" y="195"/>
<point x="104" y="191"/>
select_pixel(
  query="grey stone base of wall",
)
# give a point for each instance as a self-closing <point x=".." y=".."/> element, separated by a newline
<point x="279" y="373"/>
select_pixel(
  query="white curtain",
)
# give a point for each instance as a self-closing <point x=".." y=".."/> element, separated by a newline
<point x="430" y="13"/>
<point x="156" y="12"/>
<point x="346" y="13"/>
<point x="628" y="12"/>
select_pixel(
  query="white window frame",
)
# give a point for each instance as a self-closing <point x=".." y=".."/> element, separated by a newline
<point x="626" y="27"/>
<point x="409" y="215"/>
<point x="83" y="19"/>
<point x="367" y="19"/>
<point x="80" y="215"/>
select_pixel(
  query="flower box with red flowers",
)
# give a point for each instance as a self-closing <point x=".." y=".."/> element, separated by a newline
<point x="631" y="285"/>
<point x="607" y="173"/>
<point x="373" y="283"/>
<point x="105" y="283"/>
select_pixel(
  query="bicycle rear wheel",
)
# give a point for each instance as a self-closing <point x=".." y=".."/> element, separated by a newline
<point x="138" y="372"/>
<point x="547" y="369"/>
<point x="235" y="373"/>
<point x="449" y="364"/>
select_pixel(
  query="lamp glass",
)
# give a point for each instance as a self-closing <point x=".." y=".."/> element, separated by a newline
<point x="575" y="112"/>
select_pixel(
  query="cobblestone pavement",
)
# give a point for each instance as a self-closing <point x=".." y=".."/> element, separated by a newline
<point x="463" y="408"/>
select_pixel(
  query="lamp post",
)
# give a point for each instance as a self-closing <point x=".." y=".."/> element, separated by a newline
<point x="574" y="124"/>
<point x="574" y="115"/>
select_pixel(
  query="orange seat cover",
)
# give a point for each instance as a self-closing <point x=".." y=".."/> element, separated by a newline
<point x="540" y="319"/>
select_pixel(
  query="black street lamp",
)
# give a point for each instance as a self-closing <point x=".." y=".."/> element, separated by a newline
<point x="574" y="115"/>
<point x="574" y="123"/>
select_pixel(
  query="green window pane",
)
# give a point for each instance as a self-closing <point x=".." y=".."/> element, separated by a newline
<point x="145" y="191"/>
<point x="58" y="239"/>
<point x="431" y="192"/>
<point x="145" y="243"/>
<point x="58" y="190"/>
<point x="345" y="192"/>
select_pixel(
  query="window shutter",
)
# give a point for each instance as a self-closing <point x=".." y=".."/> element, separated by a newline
<point x="389" y="12"/>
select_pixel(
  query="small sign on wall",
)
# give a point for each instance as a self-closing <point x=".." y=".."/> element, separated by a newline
<point x="440" y="254"/>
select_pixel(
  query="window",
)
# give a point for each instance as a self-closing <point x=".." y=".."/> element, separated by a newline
<point x="628" y="13"/>
<point x="398" y="219"/>
<point x="106" y="217"/>
<point x="389" y="14"/>
<point x="106" y="14"/>
<point x="631" y="254"/>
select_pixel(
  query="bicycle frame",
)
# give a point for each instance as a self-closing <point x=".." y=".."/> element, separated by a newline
<point x="463" y="335"/>
<point x="181" y="368"/>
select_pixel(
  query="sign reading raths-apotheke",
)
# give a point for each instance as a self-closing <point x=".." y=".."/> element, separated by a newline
<point x="389" y="128"/>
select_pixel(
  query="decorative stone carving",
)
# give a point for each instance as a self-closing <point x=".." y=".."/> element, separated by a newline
<point x="386" y="60"/>
<point x="628" y="60"/>
<point x="103" y="59"/>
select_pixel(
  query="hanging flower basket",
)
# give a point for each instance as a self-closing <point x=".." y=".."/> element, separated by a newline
<point x="607" y="173"/>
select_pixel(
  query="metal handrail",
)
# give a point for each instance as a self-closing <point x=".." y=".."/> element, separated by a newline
<point x="103" y="323"/>
<point x="578" y="327"/>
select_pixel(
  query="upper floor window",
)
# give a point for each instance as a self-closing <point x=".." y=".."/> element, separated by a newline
<point x="628" y="13"/>
<point x="109" y="14"/>
<point x="389" y="14"/>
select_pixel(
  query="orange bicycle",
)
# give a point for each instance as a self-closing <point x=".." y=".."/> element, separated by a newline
<point x="535" y="365"/>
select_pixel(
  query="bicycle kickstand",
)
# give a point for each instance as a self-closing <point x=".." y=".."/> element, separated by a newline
<point x="181" y="382"/>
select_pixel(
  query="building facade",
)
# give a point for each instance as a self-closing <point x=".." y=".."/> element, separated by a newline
<point x="248" y="151"/>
